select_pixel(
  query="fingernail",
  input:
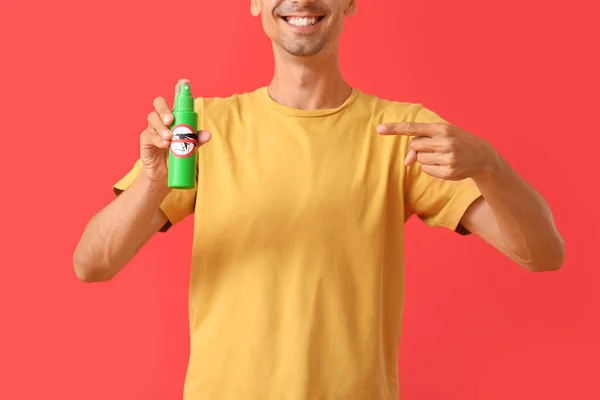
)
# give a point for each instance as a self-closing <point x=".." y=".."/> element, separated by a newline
<point x="167" y="118"/>
<point x="166" y="134"/>
<point x="381" y="129"/>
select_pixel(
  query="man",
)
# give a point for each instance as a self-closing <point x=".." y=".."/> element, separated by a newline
<point x="303" y="190"/>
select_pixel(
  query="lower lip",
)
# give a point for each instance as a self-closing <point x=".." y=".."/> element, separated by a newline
<point x="303" y="29"/>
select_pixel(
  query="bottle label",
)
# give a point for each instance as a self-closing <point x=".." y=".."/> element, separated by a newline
<point x="184" y="141"/>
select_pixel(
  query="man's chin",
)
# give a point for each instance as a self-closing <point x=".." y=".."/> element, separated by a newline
<point x="302" y="53"/>
<point x="303" y="49"/>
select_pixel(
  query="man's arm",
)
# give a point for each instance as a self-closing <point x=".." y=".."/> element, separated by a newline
<point x="115" y="234"/>
<point x="145" y="204"/>
<point x="513" y="218"/>
<point x="508" y="213"/>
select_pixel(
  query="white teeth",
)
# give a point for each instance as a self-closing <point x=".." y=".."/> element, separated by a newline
<point x="298" y="21"/>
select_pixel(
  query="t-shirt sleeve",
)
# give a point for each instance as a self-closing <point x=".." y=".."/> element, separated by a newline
<point x="437" y="202"/>
<point x="178" y="204"/>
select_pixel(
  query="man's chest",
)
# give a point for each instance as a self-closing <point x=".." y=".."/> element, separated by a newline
<point x="297" y="180"/>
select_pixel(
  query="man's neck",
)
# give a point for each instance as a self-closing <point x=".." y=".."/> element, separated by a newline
<point x="308" y="83"/>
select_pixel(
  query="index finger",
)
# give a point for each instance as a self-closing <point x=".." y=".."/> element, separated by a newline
<point x="162" y="108"/>
<point x="409" y="129"/>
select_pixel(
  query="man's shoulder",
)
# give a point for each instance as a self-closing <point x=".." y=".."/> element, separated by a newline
<point x="230" y="101"/>
<point x="390" y="108"/>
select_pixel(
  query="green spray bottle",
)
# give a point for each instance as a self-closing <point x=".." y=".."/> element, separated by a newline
<point x="184" y="143"/>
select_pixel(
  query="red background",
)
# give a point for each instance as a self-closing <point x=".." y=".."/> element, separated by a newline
<point x="78" y="79"/>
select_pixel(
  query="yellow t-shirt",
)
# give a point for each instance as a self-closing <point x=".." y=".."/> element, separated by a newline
<point x="296" y="285"/>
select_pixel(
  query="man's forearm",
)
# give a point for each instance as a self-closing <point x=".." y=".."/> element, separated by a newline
<point x="116" y="233"/>
<point x="523" y="219"/>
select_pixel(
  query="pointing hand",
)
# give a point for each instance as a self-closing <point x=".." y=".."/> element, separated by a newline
<point x="444" y="151"/>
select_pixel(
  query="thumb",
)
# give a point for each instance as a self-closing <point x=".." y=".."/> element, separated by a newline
<point x="411" y="157"/>
<point x="203" y="137"/>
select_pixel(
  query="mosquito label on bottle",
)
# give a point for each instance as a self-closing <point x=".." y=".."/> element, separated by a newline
<point x="184" y="141"/>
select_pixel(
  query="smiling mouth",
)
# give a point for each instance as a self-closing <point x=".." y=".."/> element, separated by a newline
<point x="303" y="21"/>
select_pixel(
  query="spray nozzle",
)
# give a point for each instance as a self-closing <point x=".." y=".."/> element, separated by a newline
<point x="184" y="100"/>
<point x="185" y="89"/>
